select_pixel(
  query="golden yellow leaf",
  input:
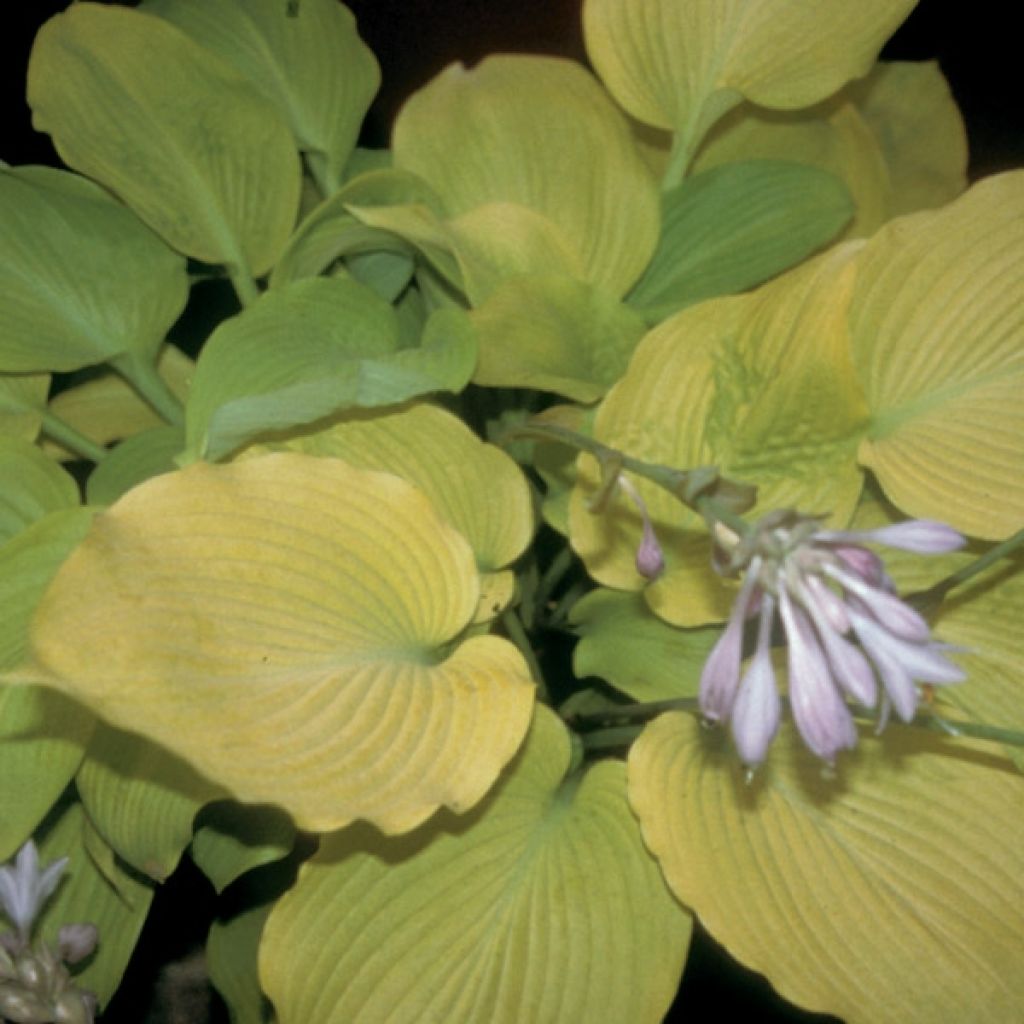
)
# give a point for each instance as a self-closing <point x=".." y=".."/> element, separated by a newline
<point x="286" y="625"/>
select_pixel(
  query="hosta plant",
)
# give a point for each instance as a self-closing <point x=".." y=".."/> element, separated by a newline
<point x="595" y="513"/>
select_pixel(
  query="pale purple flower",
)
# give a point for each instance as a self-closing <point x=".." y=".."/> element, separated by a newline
<point x="849" y="636"/>
<point x="24" y="888"/>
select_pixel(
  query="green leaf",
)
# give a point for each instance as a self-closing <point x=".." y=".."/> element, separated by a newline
<point x="554" y="334"/>
<point x="623" y="642"/>
<point x="937" y="329"/>
<point x="138" y="458"/>
<point x="313" y="67"/>
<point x="42" y="733"/>
<point x="118" y="908"/>
<point x="541" y="905"/>
<point x="22" y="404"/>
<point x="317" y="347"/>
<point x="332" y="230"/>
<point x="84" y="279"/>
<point x="540" y="133"/>
<point x="286" y="625"/>
<point x="233" y="838"/>
<point x="127" y="99"/>
<point x="33" y="487"/>
<point x="141" y="799"/>
<point x="895" y="139"/>
<point x="231" y="950"/>
<point x="680" y="66"/>
<point x="895" y="893"/>
<point x="728" y="229"/>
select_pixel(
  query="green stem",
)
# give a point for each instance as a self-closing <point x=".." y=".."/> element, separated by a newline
<point x="518" y="636"/>
<point x="143" y="377"/>
<point x="615" y="738"/>
<point x="692" y="487"/>
<point x="66" y="435"/>
<point x="678" y="160"/>
<point x="243" y="283"/>
<point x="561" y="610"/>
<point x="934" y="594"/>
<point x="560" y="565"/>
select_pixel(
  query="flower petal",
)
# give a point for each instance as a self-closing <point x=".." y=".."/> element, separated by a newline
<point x="756" y="711"/>
<point x="924" y="662"/>
<point x="899" y="617"/>
<point x="922" y="536"/>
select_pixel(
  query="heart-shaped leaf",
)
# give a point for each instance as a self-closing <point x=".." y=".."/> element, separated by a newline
<point x="284" y="625"/>
<point x="539" y="905"/>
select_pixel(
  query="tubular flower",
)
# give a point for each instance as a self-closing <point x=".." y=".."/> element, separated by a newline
<point x="846" y="631"/>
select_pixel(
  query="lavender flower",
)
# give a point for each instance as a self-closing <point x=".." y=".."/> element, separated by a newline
<point x="650" y="559"/>
<point x="846" y="631"/>
<point x="24" y="888"/>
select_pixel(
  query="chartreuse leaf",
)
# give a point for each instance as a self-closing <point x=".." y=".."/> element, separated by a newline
<point x="42" y="733"/>
<point x="126" y="97"/>
<point x="106" y="409"/>
<point x="760" y="385"/>
<point x="681" y="66"/>
<point x="33" y="486"/>
<point x="313" y="67"/>
<point x="141" y="799"/>
<point x="231" y="951"/>
<point x="896" y="894"/>
<point x="937" y="328"/>
<point x="540" y="904"/>
<point x="285" y="625"/>
<point x="895" y="138"/>
<point x="84" y="280"/>
<point x="138" y="458"/>
<point x="981" y="619"/>
<point x="735" y="226"/>
<point x="317" y="347"/>
<point x="233" y="838"/>
<point x="623" y="642"/>
<point x="22" y="403"/>
<point x="117" y="905"/>
<point x="537" y="132"/>
<point x="553" y="333"/>
<point x="475" y="486"/>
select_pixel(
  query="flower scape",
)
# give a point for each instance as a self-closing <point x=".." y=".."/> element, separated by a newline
<point x="595" y="515"/>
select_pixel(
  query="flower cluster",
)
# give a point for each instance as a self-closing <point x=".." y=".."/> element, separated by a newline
<point x="35" y="985"/>
<point x="846" y="630"/>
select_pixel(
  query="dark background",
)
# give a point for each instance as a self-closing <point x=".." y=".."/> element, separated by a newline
<point x="977" y="48"/>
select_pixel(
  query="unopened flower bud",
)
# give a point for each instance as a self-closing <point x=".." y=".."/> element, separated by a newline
<point x="21" y="1007"/>
<point x="650" y="559"/>
<point x="74" y="1007"/>
<point x="76" y="941"/>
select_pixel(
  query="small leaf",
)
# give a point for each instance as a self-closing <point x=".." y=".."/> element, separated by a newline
<point x="34" y="486"/>
<point x="141" y="799"/>
<point x="475" y="486"/>
<point x="126" y="97"/>
<point x="937" y="329"/>
<point x="22" y="403"/>
<point x="317" y="347"/>
<point x="107" y="409"/>
<point x="284" y="624"/>
<point x="118" y="909"/>
<point x="137" y="459"/>
<point x="537" y="132"/>
<point x="681" y="66"/>
<point x="554" y="334"/>
<point x="233" y="838"/>
<point x="84" y="279"/>
<point x="893" y="894"/>
<point x="314" y="68"/>
<point x="623" y="642"/>
<point x="728" y="229"/>
<point x="231" y="951"/>
<point x="560" y="912"/>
